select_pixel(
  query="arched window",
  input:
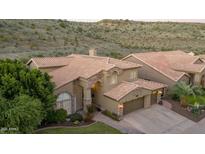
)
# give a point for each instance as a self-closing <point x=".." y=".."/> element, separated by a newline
<point x="64" y="101"/>
<point x="113" y="79"/>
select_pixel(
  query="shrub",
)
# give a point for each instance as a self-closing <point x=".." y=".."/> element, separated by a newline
<point x="62" y="24"/>
<point x="23" y="113"/>
<point x="60" y="115"/>
<point x="111" y="115"/>
<point x="57" y="116"/>
<point x="75" y="117"/>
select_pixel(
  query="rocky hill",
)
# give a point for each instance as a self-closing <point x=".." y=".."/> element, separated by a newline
<point x="115" y="38"/>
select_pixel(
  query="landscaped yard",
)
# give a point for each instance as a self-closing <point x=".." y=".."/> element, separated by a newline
<point x="188" y="100"/>
<point x="97" y="128"/>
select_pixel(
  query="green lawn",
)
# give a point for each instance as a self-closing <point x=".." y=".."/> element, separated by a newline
<point x="97" y="128"/>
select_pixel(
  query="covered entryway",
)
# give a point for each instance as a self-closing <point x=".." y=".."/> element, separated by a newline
<point x="133" y="105"/>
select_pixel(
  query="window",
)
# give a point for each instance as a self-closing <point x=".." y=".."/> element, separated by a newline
<point x="133" y="75"/>
<point x="64" y="101"/>
<point x="114" y="78"/>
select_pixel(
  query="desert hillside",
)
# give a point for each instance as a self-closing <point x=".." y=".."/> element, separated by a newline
<point x="116" y="38"/>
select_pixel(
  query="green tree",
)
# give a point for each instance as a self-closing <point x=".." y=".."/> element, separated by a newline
<point x="23" y="113"/>
<point x="17" y="80"/>
<point x="180" y="90"/>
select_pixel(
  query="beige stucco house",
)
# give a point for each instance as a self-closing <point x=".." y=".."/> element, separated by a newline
<point x="170" y="67"/>
<point x="107" y="83"/>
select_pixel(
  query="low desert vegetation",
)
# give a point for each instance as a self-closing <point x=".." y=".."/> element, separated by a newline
<point x="114" y="38"/>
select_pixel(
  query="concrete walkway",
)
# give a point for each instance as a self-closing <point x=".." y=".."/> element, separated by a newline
<point x="123" y="126"/>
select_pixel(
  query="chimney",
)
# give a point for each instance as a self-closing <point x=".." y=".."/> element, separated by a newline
<point x="191" y="53"/>
<point x="92" y="52"/>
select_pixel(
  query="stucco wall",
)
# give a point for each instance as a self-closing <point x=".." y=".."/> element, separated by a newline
<point x="104" y="102"/>
<point x="75" y="91"/>
<point x="185" y="79"/>
<point x="138" y="93"/>
<point x="124" y="75"/>
<point x="32" y="65"/>
<point x="78" y="93"/>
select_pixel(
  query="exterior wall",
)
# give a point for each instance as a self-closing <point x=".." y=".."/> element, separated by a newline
<point x="123" y="75"/>
<point x="126" y="75"/>
<point x="199" y="61"/>
<point x="147" y="101"/>
<point x="105" y="85"/>
<point x="135" y="95"/>
<point x="78" y="91"/>
<point x="185" y="79"/>
<point x="109" y="104"/>
<point x="197" y="79"/>
<point x="32" y="65"/>
<point x="75" y="91"/>
<point x="147" y="72"/>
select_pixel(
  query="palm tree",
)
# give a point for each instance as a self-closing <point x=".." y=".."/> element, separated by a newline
<point x="196" y="103"/>
<point x="180" y="90"/>
<point x="198" y="90"/>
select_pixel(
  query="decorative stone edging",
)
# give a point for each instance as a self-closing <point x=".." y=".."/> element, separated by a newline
<point x="66" y="126"/>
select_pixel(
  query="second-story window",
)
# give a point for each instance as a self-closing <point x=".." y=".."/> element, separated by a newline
<point x="113" y="79"/>
<point x="133" y="75"/>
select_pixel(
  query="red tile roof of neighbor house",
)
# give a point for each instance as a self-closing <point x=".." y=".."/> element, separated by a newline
<point x="164" y="62"/>
<point x="190" y="68"/>
<point x="124" y="88"/>
<point x="75" y="66"/>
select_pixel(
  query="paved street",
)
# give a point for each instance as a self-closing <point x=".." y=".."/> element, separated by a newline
<point x="155" y="120"/>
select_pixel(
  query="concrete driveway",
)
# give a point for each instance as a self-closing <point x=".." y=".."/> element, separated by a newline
<point x="157" y="120"/>
<point x="154" y="120"/>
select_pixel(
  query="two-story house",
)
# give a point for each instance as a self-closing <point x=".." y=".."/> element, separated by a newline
<point x="107" y="83"/>
<point x="170" y="67"/>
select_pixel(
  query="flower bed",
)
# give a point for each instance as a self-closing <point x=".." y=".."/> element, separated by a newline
<point x="186" y="111"/>
<point x="68" y="123"/>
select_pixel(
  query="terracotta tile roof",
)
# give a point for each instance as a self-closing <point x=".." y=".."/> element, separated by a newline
<point x="164" y="61"/>
<point x="121" y="90"/>
<point x="124" y="88"/>
<point x="75" y="66"/>
<point x="42" y="62"/>
<point x="189" y="68"/>
<point x="150" y="85"/>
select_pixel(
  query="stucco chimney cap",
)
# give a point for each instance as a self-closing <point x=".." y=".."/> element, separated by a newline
<point x="93" y="52"/>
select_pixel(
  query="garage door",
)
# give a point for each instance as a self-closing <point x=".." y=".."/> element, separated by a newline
<point x="154" y="98"/>
<point x="133" y="105"/>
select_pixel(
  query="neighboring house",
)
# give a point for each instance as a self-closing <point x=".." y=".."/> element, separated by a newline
<point x="107" y="83"/>
<point x="170" y="67"/>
